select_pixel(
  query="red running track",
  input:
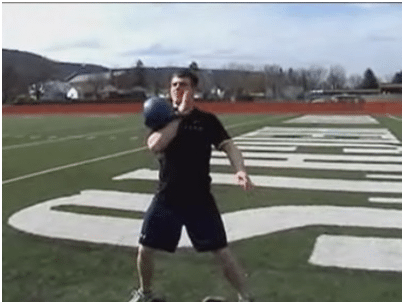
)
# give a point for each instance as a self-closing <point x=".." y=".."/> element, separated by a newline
<point x="377" y="108"/>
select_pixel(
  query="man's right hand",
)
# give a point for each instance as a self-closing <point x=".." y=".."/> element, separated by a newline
<point x="159" y="140"/>
<point x="186" y="103"/>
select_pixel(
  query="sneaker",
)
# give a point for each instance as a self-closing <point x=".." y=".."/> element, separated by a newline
<point x="139" y="296"/>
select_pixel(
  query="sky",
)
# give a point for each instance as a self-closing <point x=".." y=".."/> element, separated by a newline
<point x="297" y="35"/>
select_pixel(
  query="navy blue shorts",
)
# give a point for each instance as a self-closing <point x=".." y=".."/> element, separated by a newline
<point x="165" y="218"/>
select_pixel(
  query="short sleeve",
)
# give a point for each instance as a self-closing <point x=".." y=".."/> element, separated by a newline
<point x="219" y="133"/>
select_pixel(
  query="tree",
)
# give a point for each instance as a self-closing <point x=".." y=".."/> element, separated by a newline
<point x="336" y="77"/>
<point x="273" y="80"/>
<point x="315" y="76"/>
<point x="139" y="64"/>
<point x="369" y="80"/>
<point x="9" y="82"/>
<point x="292" y="76"/>
<point x="397" y="78"/>
<point x="139" y="78"/>
<point x="194" y="66"/>
<point x="97" y="83"/>
<point x="355" y="81"/>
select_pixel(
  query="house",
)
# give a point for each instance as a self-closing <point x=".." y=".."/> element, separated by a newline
<point x="391" y="88"/>
<point x="53" y="91"/>
<point x="90" y="86"/>
<point x="114" y="84"/>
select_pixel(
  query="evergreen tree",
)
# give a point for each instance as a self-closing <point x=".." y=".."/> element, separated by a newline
<point x="397" y="78"/>
<point x="194" y="67"/>
<point x="369" y="80"/>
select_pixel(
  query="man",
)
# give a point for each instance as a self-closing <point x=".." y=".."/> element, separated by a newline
<point x="183" y="147"/>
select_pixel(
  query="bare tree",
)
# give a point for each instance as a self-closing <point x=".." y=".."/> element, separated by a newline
<point x="292" y="76"/>
<point x="97" y="83"/>
<point x="336" y="77"/>
<point x="315" y="75"/>
<point x="255" y="82"/>
<point x="354" y="81"/>
<point x="239" y="67"/>
<point x="273" y="78"/>
<point x="139" y="77"/>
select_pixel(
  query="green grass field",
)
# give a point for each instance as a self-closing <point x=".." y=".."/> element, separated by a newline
<point x="36" y="268"/>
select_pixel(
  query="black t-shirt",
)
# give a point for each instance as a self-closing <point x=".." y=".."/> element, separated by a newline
<point x="184" y="164"/>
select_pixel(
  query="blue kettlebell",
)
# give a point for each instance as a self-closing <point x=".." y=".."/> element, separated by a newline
<point x="157" y="112"/>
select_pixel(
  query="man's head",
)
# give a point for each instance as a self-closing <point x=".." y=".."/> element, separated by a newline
<point x="186" y="73"/>
<point x="183" y="81"/>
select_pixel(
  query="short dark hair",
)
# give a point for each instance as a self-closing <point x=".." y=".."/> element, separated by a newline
<point x="186" y="73"/>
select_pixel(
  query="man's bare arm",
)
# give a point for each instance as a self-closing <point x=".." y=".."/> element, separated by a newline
<point x="159" y="140"/>
<point x="237" y="161"/>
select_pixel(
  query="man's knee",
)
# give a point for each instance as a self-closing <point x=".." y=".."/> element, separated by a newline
<point x="145" y="251"/>
<point x="223" y="254"/>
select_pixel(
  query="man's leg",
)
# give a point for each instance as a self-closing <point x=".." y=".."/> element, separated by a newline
<point x="145" y="266"/>
<point x="232" y="271"/>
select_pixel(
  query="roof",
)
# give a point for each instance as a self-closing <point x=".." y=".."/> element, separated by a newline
<point x="91" y="77"/>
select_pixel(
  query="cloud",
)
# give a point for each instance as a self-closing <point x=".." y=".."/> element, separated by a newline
<point x="212" y="34"/>
<point x="373" y="6"/>
<point x="83" y="44"/>
<point x="381" y="38"/>
<point x="216" y="53"/>
<point x="154" y="50"/>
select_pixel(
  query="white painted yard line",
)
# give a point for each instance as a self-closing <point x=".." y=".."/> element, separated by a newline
<point x="267" y="148"/>
<point x="314" y="157"/>
<point x="386" y="200"/>
<point x="327" y="130"/>
<point x="54" y="140"/>
<point x="244" y="141"/>
<point x="320" y="165"/>
<point x="245" y="123"/>
<point x="44" y="220"/>
<point x="394" y="117"/>
<point x="322" y="140"/>
<point x="350" y="136"/>
<point x="293" y="135"/>
<point x="317" y="132"/>
<point x="385" y="176"/>
<point x="368" y="253"/>
<point x="323" y="184"/>
<point x="398" y="150"/>
<point x="335" y="119"/>
<point x="73" y="165"/>
<point x="90" y="160"/>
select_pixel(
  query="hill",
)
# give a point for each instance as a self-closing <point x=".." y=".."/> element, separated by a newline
<point x="20" y="69"/>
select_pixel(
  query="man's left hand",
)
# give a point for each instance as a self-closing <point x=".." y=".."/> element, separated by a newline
<point x="244" y="180"/>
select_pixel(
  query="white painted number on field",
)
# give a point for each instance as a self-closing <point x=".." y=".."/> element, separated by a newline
<point x="361" y="150"/>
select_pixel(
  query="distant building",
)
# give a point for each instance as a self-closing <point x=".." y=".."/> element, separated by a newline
<point x="90" y="86"/>
<point x="53" y="90"/>
<point x="391" y="88"/>
<point x="106" y="85"/>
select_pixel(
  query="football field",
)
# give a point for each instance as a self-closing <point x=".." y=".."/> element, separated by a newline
<point x="324" y="222"/>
